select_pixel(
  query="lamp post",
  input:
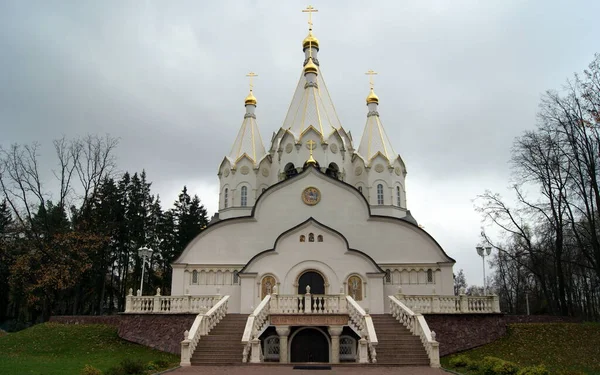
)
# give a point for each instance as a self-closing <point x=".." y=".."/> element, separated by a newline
<point x="145" y="254"/>
<point x="483" y="252"/>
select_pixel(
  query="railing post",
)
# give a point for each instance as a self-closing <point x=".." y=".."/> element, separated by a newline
<point x="187" y="303"/>
<point x="464" y="303"/>
<point x="434" y="355"/>
<point x="185" y="350"/>
<point x="495" y="303"/>
<point x="435" y="302"/>
<point x="256" y="355"/>
<point x="129" y="301"/>
<point x="400" y="295"/>
<point x="307" y="301"/>
<point x="363" y="351"/>
<point x="156" y="302"/>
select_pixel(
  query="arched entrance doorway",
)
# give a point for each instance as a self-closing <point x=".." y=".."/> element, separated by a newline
<point x="309" y="345"/>
<point x="314" y="279"/>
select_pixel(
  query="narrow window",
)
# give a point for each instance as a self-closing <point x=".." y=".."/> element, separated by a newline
<point x="195" y="277"/>
<point x="320" y="238"/>
<point x="311" y="237"/>
<point x="388" y="276"/>
<point x="398" y="195"/>
<point x="429" y="276"/>
<point x="236" y="277"/>
<point x="360" y="189"/>
<point x="226" y="197"/>
<point x="355" y="288"/>
<point x="380" y="194"/>
<point x="244" y="199"/>
<point x="302" y="238"/>
<point x="263" y="190"/>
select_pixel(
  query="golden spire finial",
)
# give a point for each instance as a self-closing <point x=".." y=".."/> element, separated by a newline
<point x="250" y="99"/>
<point x="310" y="10"/>
<point x="311" y="145"/>
<point x="310" y="66"/>
<point x="310" y="39"/>
<point x="372" y="98"/>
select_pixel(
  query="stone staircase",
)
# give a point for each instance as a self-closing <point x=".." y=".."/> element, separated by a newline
<point x="223" y="345"/>
<point x="397" y="346"/>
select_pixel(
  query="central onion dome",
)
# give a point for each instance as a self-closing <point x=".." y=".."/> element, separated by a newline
<point x="310" y="41"/>
<point x="372" y="98"/>
<point x="250" y="99"/>
<point x="310" y="66"/>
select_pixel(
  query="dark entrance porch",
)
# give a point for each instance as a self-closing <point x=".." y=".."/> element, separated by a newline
<point x="309" y="345"/>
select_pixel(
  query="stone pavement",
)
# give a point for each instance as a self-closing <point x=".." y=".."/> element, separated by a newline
<point x="288" y="369"/>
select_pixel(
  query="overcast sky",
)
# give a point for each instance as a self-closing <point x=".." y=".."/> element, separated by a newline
<point x="458" y="81"/>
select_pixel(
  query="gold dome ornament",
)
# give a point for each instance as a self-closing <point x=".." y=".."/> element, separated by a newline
<point x="372" y="97"/>
<point x="310" y="41"/>
<point x="250" y="99"/>
<point x="310" y="66"/>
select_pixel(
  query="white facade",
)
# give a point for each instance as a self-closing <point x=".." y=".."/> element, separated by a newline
<point x="357" y="235"/>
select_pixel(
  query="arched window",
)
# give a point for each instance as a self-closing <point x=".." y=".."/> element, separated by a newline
<point x="360" y="189"/>
<point x="244" y="199"/>
<point x="226" y="197"/>
<point x="311" y="237"/>
<point x="333" y="171"/>
<point x="290" y="170"/>
<point x="272" y="348"/>
<point x="195" y="277"/>
<point x="347" y="348"/>
<point x="379" y="194"/>
<point x="320" y="238"/>
<point x="302" y="238"/>
<point x="267" y="284"/>
<point x="388" y="276"/>
<point x="355" y="289"/>
<point x="398" y="195"/>
<point x="236" y="277"/>
<point x="429" y="275"/>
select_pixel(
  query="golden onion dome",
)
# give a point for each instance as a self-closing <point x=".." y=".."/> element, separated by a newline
<point x="372" y="98"/>
<point x="250" y="99"/>
<point x="310" y="41"/>
<point x="310" y="67"/>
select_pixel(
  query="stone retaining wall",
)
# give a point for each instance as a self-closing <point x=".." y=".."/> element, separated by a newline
<point x="162" y="332"/>
<point x="459" y="332"/>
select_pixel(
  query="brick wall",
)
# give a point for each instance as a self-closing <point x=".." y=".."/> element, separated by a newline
<point x="162" y="332"/>
<point x="459" y="332"/>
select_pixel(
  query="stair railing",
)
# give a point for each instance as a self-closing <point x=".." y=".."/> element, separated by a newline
<point x="362" y="323"/>
<point x="202" y="326"/>
<point x="255" y="323"/>
<point x="417" y="325"/>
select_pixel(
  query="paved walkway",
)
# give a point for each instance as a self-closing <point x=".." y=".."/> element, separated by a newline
<point x="279" y="369"/>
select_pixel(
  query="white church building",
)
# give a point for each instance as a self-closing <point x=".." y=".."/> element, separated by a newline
<point x="313" y="239"/>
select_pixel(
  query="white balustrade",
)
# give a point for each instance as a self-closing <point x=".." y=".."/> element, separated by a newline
<point x="308" y="304"/>
<point x="254" y="326"/>
<point x="202" y="326"/>
<point x="362" y="323"/>
<point x="463" y="304"/>
<point x="158" y="304"/>
<point x="417" y="325"/>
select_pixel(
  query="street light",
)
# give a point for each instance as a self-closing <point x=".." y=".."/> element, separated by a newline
<point x="483" y="253"/>
<point x="145" y="254"/>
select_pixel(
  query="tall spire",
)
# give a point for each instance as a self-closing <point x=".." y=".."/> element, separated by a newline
<point x="374" y="140"/>
<point x="311" y="106"/>
<point x="248" y="142"/>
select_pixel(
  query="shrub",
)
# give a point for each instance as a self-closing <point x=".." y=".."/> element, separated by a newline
<point x="152" y="366"/>
<point x="115" y="370"/>
<point x="497" y="366"/>
<point x="90" y="370"/>
<point x="534" y="370"/>
<point x="133" y="367"/>
<point x="460" y="361"/>
<point x="162" y="363"/>
<point x="506" y="368"/>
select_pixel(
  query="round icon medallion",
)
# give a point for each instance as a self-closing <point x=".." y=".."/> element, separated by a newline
<point x="311" y="196"/>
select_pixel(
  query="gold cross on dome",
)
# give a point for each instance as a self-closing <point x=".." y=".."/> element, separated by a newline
<point x="371" y="73"/>
<point x="311" y="145"/>
<point x="251" y="75"/>
<point x="310" y="10"/>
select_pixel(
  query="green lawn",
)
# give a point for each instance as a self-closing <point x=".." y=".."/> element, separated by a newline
<point x="51" y="348"/>
<point x="563" y="348"/>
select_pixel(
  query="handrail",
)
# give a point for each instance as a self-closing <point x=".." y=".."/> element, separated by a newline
<point x="417" y="325"/>
<point x="254" y="325"/>
<point x="202" y="326"/>
<point x="158" y="304"/>
<point x="451" y="304"/>
<point x="362" y="322"/>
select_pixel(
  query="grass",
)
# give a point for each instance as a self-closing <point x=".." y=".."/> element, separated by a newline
<point x="564" y="348"/>
<point x="61" y="349"/>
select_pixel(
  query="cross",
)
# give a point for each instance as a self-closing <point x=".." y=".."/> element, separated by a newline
<point x="310" y="10"/>
<point x="311" y="145"/>
<point x="251" y="75"/>
<point x="371" y="73"/>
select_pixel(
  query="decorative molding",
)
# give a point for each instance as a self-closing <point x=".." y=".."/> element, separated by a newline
<point x="251" y="115"/>
<point x="372" y="113"/>
<point x="309" y="320"/>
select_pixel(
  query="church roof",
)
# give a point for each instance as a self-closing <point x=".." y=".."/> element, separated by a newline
<point x="375" y="141"/>
<point x="248" y="142"/>
<point x="311" y="106"/>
